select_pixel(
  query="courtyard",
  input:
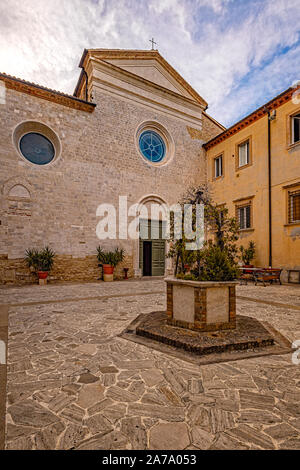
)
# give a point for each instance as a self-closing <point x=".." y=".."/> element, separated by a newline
<point x="73" y="383"/>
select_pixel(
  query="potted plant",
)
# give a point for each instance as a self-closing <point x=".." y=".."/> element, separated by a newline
<point x="41" y="261"/>
<point x="247" y="255"/>
<point x="109" y="260"/>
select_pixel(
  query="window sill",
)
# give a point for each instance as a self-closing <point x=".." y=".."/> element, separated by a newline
<point x="292" y="224"/>
<point x="238" y="168"/>
<point x="294" y="145"/>
<point x="246" y="230"/>
<point x="216" y="178"/>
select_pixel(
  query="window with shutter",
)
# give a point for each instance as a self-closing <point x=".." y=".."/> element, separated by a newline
<point x="218" y="166"/>
<point x="244" y="217"/>
<point x="244" y="154"/>
<point x="248" y="217"/>
<point x="296" y="129"/>
<point x="294" y="207"/>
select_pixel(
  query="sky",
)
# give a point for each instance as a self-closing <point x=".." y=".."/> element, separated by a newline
<point x="237" y="54"/>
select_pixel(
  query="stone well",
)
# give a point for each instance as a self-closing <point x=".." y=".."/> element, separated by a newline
<point x="201" y="305"/>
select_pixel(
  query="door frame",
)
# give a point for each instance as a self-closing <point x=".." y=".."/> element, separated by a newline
<point x="143" y="201"/>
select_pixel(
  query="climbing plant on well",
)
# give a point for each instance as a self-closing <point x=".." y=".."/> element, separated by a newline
<point x="217" y="259"/>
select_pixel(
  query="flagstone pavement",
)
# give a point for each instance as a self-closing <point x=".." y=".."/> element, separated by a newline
<point x="74" y="384"/>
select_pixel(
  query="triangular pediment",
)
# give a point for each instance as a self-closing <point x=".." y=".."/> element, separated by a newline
<point x="150" y="66"/>
<point x="151" y="70"/>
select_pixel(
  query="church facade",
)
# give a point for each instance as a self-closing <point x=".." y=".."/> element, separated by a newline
<point x="133" y="128"/>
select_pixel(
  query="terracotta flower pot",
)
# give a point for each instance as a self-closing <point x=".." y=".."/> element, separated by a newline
<point x="108" y="269"/>
<point x="42" y="274"/>
<point x="108" y="273"/>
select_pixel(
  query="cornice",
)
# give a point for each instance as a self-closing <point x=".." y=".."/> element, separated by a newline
<point x="44" y="93"/>
<point x="132" y="78"/>
<point x="279" y="100"/>
<point x="190" y="118"/>
<point x="244" y="198"/>
<point x="104" y="54"/>
<point x="214" y="121"/>
<point x="291" y="185"/>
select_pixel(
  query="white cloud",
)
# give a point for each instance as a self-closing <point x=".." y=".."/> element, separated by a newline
<point x="232" y="52"/>
<point x="218" y="6"/>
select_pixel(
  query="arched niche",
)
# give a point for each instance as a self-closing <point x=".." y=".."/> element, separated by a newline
<point x="19" y="191"/>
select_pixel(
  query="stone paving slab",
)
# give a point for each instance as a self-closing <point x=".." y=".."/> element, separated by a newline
<point x="73" y="383"/>
<point x="248" y="334"/>
<point x="54" y="292"/>
<point x="284" y="294"/>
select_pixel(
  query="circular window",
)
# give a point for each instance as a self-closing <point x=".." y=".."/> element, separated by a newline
<point x="154" y="143"/>
<point x="152" y="146"/>
<point x="36" y="143"/>
<point x="37" y="148"/>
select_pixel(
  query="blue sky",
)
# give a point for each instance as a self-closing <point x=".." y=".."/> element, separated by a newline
<point x="237" y="54"/>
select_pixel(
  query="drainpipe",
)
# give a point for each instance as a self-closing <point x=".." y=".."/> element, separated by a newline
<point x="270" y="118"/>
<point x="270" y="190"/>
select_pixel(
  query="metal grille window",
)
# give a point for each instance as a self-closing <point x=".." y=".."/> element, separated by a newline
<point x="244" y="153"/>
<point x="296" y="128"/>
<point x="294" y="206"/>
<point x="218" y="166"/>
<point x="152" y="146"/>
<point x="244" y="216"/>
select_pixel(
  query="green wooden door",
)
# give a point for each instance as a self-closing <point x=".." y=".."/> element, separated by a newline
<point x="158" y="245"/>
<point x="158" y="257"/>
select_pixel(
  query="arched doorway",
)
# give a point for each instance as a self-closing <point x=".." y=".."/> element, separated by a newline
<point x="152" y="246"/>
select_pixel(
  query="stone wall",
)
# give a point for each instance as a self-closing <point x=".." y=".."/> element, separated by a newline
<point x="208" y="131"/>
<point x="65" y="268"/>
<point x="56" y="204"/>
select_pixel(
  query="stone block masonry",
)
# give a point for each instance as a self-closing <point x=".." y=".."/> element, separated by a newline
<point x="203" y="306"/>
<point x="65" y="268"/>
<point x="56" y="204"/>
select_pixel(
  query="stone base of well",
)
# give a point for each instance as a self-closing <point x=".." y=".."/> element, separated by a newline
<point x="198" y="305"/>
<point x="249" y="334"/>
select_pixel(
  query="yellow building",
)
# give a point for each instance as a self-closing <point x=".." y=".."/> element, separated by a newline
<point x="254" y="168"/>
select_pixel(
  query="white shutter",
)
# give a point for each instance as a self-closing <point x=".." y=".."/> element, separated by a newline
<point x="244" y="154"/>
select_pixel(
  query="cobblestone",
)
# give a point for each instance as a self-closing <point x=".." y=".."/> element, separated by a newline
<point x="74" y="383"/>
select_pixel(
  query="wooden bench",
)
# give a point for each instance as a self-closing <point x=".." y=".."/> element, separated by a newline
<point x="260" y="275"/>
<point x="267" y="275"/>
<point x="245" y="277"/>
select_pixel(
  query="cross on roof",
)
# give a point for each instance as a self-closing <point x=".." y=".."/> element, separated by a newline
<point x="153" y="42"/>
